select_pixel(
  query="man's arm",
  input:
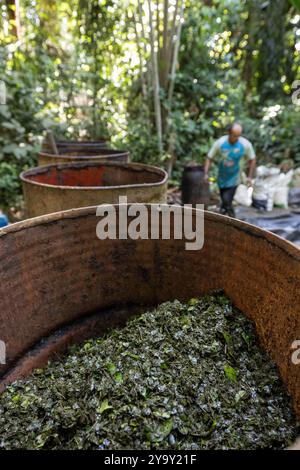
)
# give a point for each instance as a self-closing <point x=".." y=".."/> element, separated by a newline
<point x="252" y="167"/>
<point x="211" y="155"/>
<point x="207" y="166"/>
<point x="252" y="163"/>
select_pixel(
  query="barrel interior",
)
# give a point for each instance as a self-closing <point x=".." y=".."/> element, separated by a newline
<point x="60" y="284"/>
<point x="94" y="175"/>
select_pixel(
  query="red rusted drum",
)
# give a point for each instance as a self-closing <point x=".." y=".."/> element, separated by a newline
<point x="54" y="188"/>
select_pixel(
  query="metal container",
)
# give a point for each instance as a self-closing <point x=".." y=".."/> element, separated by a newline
<point x="194" y="189"/>
<point x="60" y="284"/>
<point x="93" y="155"/>
<point x="65" y="146"/>
<point x="54" y="188"/>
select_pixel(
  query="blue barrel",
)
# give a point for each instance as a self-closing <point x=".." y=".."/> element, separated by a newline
<point x="3" y="220"/>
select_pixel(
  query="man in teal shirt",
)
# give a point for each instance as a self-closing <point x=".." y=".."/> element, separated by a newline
<point x="228" y="152"/>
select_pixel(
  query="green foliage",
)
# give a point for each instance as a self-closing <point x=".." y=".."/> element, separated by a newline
<point x="231" y="69"/>
<point x="230" y="373"/>
<point x="296" y="3"/>
<point x="275" y="133"/>
<point x="18" y="138"/>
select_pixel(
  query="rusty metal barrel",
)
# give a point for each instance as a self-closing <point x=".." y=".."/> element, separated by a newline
<point x="93" y="155"/>
<point x="195" y="190"/>
<point x="54" y="188"/>
<point x="65" y="146"/>
<point x="60" y="284"/>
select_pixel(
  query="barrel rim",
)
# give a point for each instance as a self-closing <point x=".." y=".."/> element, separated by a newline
<point x="134" y="166"/>
<point x="188" y="168"/>
<point x="79" y="142"/>
<point x="65" y="142"/>
<point x="106" y="152"/>
<point x="285" y="245"/>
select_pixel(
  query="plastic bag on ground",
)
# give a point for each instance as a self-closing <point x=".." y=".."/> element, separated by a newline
<point x="272" y="187"/>
<point x="265" y="171"/>
<point x="264" y="189"/>
<point x="281" y="194"/>
<point x="243" y="195"/>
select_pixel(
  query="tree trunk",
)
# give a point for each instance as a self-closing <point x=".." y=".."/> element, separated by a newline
<point x="175" y="56"/>
<point x="13" y="10"/>
<point x="156" y="86"/>
<point x="172" y="137"/>
<point x="164" y="66"/>
<point x="138" y="41"/>
<point x="144" y="40"/>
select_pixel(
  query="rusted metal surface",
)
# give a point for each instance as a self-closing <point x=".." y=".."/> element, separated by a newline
<point x="84" y="155"/>
<point x="195" y="190"/>
<point x="55" y="188"/>
<point x="57" y="276"/>
<point x="65" y="146"/>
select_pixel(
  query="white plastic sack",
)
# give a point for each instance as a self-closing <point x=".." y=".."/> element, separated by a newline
<point x="270" y="199"/>
<point x="273" y="187"/>
<point x="281" y="197"/>
<point x="260" y="190"/>
<point x="281" y="194"/>
<point x="265" y="185"/>
<point x="265" y="171"/>
<point x="243" y="195"/>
